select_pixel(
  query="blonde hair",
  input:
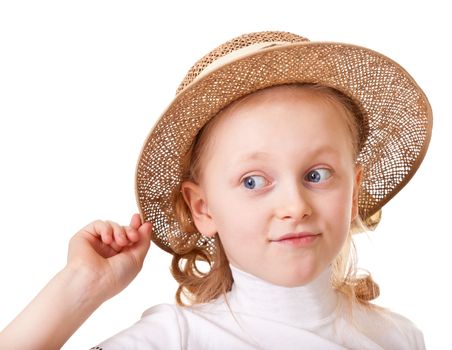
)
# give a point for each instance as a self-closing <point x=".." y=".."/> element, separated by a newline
<point x="197" y="286"/>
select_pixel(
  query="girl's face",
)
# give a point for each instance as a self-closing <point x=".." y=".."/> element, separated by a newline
<point x="278" y="166"/>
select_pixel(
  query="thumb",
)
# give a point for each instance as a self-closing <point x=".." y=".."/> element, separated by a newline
<point x="140" y="248"/>
<point x="135" y="221"/>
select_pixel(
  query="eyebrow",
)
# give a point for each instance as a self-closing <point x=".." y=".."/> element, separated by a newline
<point x="325" y="149"/>
<point x="254" y="156"/>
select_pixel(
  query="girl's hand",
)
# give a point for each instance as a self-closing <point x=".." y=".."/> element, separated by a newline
<point x="109" y="255"/>
<point x="103" y="259"/>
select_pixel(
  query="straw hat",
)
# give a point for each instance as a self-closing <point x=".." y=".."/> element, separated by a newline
<point x="398" y="117"/>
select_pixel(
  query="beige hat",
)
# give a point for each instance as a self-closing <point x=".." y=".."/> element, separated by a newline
<point x="399" y="117"/>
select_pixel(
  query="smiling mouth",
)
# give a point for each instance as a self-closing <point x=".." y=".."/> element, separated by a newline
<point x="295" y="236"/>
<point x="297" y="239"/>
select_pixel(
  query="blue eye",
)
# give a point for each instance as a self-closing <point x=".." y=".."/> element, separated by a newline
<point x="318" y="175"/>
<point x="254" y="182"/>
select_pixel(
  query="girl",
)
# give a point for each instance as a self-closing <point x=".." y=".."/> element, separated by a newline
<point x="273" y="152"/>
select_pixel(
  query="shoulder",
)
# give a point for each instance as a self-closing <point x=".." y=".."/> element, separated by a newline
<point x="160" y="327"/>
<point x="167" y="326"/>
<point x="389" y="329"/>
<point x="165" y="311"/>
<point x="184" y="315"/>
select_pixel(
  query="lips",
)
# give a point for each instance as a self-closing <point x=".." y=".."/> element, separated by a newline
<point x="297" y="235"/>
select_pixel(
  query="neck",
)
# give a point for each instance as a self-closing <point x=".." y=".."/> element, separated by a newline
<point x="305" y="306"/>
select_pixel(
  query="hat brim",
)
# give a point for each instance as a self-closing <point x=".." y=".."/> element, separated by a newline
<point x="398" y="112"/>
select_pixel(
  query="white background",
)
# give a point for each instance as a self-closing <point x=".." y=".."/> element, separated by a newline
<point x="82" y="82"/>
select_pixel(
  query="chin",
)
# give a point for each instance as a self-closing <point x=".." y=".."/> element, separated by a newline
<point x="298" y="277"/>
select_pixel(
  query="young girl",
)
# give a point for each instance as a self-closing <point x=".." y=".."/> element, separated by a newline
<point x="274" y="151"/>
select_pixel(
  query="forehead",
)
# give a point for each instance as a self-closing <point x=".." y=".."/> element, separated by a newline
<point x="265" y="119"/>
<point x="303" y="104"/>
<point x="318" y="93"/>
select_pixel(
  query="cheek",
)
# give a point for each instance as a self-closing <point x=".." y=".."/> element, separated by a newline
<point x="232" y="228"/>
<point x="234" y="217"/>
<point x="225" y="210"/>
<point x="237" y="220"/>
<point x="338" y="210"/>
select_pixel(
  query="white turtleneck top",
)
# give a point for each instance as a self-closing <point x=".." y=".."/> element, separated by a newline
<point x="258" y="315"/>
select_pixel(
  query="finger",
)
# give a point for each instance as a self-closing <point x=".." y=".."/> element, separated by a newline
<point x="119" y="234"/>
<point x="146" y="229"/>
<point x="107" y="250"/>
<point x="144" y="233"/>
<point x="140" y="248"/>
<point x="107" y="234"/>
<point x="100" y="230"/>
<point x="105" y="231"/>
<point x="88" y="241"/>
<point x="132" y="234"/>
<point x="135" y="222"/>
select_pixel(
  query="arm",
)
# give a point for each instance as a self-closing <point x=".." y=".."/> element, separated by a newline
<point x="103" y="259"/>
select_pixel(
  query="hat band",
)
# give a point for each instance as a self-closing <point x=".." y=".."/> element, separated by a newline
<point x="237" y="54"/>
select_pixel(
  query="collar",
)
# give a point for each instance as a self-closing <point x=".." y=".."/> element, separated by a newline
<point x="305" y="306"/>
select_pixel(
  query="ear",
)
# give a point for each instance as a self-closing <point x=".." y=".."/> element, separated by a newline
<point x="195" y="198"/>
<point x="356" y="189"/>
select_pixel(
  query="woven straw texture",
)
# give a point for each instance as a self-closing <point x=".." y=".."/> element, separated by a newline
<point x="398" y="117"/>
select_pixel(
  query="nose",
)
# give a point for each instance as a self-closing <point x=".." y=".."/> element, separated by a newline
<point x="293" y="204"/>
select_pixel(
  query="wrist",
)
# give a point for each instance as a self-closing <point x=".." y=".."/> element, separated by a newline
<point x="56" y="312"/>
<point x="86" y="287"/>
